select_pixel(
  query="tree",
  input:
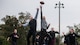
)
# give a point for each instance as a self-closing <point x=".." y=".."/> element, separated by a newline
<point x="77" y="30"/>
<point x="12" y="22"/>
<point x="23" y="17"/>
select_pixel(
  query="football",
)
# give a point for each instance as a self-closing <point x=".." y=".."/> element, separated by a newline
<point x="42" y="2"/>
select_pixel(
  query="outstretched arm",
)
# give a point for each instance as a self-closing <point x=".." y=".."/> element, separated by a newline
<point x="77" y="35"/>
<point x="36" y="14"/>
<point x="26" y="24"/>
<point x="41" y="15"/>
<point x="8" y="38"/>
<point x="56" y="32"/>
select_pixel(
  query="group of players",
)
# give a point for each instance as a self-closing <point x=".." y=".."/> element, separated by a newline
<point x="43" y="37"/>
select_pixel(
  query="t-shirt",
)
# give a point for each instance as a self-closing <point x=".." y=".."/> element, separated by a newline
<point x="13" y="38"/>
<point x="44" y="24"/>
<point x="72" y="37"/>
<point x="32" y="25"/>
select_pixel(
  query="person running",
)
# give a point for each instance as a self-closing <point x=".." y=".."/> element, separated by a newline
<point x="14" y="36"/>
<point x="52" y="35"/>
<point x="71" y="37"/>
<point x="32" y="24"/>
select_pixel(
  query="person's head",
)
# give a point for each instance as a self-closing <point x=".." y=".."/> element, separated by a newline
<point x="43" y="18"/>
<point x="52" y="29"/>
<point x="31" y="17"/>
<point x="71" y="31"/>
<point x="15" y="30"/>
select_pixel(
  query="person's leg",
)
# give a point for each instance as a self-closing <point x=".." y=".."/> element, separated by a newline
<point x="42" y="35"/>
<point x="51" y="42"/>
<point x="71" y="44"/>
<point x="54" y="41"/>
<point x="11" y="43"/>
<point x="28" y="38"/>
<point x="33" y="38"/>
<point x="14" y="43"/>
<point x="41" y="38"/>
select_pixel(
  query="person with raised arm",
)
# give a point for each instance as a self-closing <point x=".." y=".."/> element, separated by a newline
<point x="32" y="24"/>
<point x="44" y="27"/>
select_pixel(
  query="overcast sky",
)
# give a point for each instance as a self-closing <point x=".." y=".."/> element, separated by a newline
<point x="70" y="15"/>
